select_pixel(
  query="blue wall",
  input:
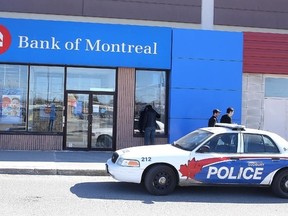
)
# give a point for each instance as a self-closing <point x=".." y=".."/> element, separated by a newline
<point x="206" y="74"/>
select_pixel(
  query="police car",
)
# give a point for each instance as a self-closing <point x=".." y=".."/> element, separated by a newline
<point x="227" y="154"/>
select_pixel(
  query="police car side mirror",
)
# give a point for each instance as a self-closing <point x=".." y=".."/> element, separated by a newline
<point x="203" y="149"/>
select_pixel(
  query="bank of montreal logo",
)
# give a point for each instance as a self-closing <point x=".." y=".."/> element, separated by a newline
<point x="5" y="39"/>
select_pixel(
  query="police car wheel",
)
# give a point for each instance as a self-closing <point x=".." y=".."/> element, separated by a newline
<point x="280" y="184"/>
<point x="160" y="180"/>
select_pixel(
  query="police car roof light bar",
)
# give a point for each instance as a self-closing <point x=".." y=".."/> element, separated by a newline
<point x="230" y="126"/>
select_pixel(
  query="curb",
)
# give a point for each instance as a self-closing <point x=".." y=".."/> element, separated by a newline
<point x="66" y="172"/>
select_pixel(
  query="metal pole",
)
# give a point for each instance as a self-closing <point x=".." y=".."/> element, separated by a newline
<point x="207" y="14"/>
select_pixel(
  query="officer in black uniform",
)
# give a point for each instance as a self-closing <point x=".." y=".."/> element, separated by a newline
<point x="213" y="120"/>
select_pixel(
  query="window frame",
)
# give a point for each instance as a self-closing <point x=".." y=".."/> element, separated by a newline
<point x="261" y="136"/>
<point x="50" y="105"/>
<point x="166" y="110"/>
<point x="221" y="143"/>
<point x="25" y="94"/>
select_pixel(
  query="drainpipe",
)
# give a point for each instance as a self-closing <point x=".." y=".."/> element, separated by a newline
<point x="207" y="14"/>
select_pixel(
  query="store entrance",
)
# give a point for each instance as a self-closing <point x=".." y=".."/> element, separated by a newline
<point x="89" y="120"/>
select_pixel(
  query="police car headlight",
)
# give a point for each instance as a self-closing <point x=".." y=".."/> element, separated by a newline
<point x="128" y="162"/>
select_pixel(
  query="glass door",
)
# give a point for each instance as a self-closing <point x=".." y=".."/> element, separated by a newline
<point x="89" y="120"/>
<point x="77" y="120"/>
<point x="102" y="121"/>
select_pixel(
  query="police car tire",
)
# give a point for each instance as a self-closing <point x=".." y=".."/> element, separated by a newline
<point x="279" y="185"/>
<point x="160" y="180"/>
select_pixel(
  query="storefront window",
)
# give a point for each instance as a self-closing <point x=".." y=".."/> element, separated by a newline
<point x="91" y="79"/>
<point x="46" y="96"/>
<point x="13" y="95"/>
<point x="150" y="89"/>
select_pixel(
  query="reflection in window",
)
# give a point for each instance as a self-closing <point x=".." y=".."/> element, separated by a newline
<point x="46" y="99"/>
<point x="13" y="94"/>
<point x="91" y="79"/>
<point x="151" y="89"/>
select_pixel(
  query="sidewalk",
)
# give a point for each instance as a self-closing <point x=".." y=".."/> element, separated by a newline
<point x="54" y="162"/>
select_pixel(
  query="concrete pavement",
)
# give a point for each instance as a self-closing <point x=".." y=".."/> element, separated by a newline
<point x="87" y="163"/>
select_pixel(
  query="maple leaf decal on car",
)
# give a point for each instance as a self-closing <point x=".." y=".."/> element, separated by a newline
<point x="193" y="167"/>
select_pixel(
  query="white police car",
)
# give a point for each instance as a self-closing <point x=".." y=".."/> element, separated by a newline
<point x="227" y="154"/>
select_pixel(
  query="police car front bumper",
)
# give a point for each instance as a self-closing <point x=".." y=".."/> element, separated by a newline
<point x="124" y="174"/>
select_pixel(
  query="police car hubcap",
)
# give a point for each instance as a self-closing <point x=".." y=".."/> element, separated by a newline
<point x="286" y="184"/>
<point x="162" y="180"/>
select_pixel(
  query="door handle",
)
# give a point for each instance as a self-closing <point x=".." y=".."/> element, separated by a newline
<point x="234" y="158"/>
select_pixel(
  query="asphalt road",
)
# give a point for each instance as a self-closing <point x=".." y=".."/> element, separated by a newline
<point x="55" y="195"/>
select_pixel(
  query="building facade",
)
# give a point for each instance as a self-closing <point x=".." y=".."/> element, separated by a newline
<point x="76" y="74"/>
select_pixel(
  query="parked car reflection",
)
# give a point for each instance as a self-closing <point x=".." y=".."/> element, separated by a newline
<point x="160" y="127"/>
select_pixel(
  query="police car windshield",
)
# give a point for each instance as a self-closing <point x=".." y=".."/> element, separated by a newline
<point x="192" y="140"/>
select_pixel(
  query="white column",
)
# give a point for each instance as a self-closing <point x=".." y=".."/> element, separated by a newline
<point x="207" y="14"/>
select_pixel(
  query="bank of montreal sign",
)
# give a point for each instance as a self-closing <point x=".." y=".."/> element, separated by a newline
<point x="85" y="44"/>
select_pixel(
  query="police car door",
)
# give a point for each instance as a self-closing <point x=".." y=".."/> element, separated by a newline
<point x="260" y="158"/>
<point x="219" y="160"/>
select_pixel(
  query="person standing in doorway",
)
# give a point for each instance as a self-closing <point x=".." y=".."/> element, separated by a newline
<point x="227" y="118"/>
<point x="213" y="119"/>
<point x="149" y="125"/>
